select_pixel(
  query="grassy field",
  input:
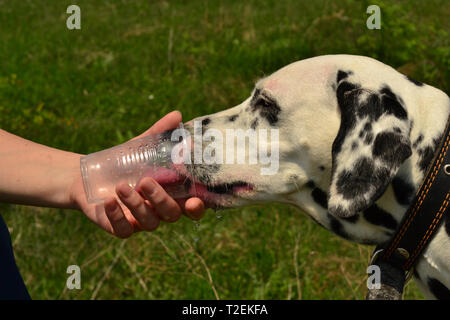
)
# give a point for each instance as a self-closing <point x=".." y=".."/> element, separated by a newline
<point x="132" y="62"/>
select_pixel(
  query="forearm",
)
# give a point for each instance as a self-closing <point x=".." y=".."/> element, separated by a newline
<point x="34" y="174"/>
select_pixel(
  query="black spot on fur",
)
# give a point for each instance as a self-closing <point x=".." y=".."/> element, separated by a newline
<point x="337" y="227"/>
<point x="311" y="184"/>
<point x="392" y="104"/>
<point x="371" y="108"/>
<point x="417" y="83"/>
<point x="369" y="138"/>
<point x="439" y="290"/>
<point x="426" y="154"/>
<point x="354" y="184"/>
<point x="348" y="120"/>
<point x="403" y="191"/>
<point x="365" y="182"/>
<point x="391" y="148"/>
<point x="354" y="145"/>
<point x="233" y="118"/>
<point x="206" y="121"/>
<point x="366" y="133"/>
<point x="268" y="108"/>
<point x="418" y="141"/>
<point x="377" y="216"/>
<point x="342" y="75"/>
<point x="320" y="197"/>
<point x="321" y="168"/>
<point x="255" y="96"/>
<point x="254" y="123"/>
<point x="386" y="102"/>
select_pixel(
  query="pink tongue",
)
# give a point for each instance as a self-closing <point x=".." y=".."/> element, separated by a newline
<point x="163" y="175"/>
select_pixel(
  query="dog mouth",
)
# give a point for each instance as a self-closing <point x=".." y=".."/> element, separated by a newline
<point x="228" y="188"/>
<point x="221" y="194"/>
<point x="185" y="180"/>
<point x="213" y="194"/>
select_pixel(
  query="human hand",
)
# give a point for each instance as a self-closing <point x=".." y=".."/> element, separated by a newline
<point x="138" y="211"/>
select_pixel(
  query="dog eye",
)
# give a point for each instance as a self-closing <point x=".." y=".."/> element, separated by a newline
<point x="264" y="103"/>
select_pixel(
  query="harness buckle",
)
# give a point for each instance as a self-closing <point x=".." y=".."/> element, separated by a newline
<point x="376" y="254"/>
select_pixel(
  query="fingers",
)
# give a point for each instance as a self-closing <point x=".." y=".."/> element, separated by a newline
<point x="168" y="122"/>
<point x="144" y="215"/>
<point x="166" y="207"/>
<point x="194" y="208"/>
<point x="147" y="206"/>
<point x="121" y="227"/>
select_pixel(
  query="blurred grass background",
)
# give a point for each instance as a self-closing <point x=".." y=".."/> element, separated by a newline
<point x="134" y="61"/>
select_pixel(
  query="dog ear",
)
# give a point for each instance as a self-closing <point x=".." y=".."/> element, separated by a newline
<point x="371" y="144"/>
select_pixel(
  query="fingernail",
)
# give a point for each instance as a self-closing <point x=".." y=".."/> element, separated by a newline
<point x="125" y="190"/>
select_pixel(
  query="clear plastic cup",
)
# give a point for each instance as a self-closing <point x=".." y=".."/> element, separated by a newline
<point x="149" y="156"/>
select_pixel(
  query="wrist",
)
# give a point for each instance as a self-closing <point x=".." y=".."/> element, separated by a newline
<point x="74" y="196"/>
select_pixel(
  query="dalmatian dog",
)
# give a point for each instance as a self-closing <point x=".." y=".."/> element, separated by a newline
<point x="355" y="138"/>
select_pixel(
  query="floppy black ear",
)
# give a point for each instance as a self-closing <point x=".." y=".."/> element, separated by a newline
<point x="371" y="144"/>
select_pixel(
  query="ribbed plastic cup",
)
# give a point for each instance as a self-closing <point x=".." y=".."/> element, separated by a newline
<point x="149" y="156"/>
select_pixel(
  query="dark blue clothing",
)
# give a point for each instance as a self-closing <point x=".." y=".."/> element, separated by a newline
<point x="12" y="286"/>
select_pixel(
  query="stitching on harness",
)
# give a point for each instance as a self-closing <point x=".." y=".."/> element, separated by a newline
<point x="423" y="193"/>
<point x="430" y="230"/>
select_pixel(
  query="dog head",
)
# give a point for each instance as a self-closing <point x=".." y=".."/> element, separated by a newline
<point x="328" y="122"/>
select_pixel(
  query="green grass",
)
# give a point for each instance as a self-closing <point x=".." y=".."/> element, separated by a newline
<point x="89" y="89"/>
